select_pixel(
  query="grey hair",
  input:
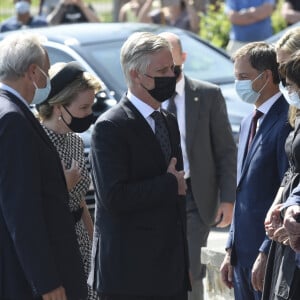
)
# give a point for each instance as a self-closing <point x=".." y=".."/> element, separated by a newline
<point x="18" y="52"/>
<point x="136" y="52"/>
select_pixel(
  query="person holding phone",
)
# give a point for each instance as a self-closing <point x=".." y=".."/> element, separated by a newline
<point x="177" y="13"/>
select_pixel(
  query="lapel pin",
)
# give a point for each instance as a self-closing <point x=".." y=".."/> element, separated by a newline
<point x="196" y="99"/>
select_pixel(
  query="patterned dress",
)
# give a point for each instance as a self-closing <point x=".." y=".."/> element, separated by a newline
<point x="70" y="146"/>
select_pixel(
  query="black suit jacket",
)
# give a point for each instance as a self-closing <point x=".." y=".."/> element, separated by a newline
<point x="38" y="246"/>
<point x="139" y="246"/>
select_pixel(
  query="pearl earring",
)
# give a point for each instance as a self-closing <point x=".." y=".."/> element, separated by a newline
<point x="59" y="118"/>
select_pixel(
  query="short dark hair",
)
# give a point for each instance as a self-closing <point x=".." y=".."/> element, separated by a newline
<point x="262" y="56"/>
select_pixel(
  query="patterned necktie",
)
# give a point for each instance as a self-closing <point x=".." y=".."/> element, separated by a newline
<point x="256" y="115"/>
<point x="171" y="105"/>
<point x="162" y="135"/>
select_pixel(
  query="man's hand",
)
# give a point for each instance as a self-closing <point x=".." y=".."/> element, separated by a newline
<point x="292" y="226"/>
<point x="224" y="214"/>
<point x="57" y="294"/>
<point x="179" y="176"/>
<point x="273" y="220"/>
<point x="281" y="236"/>
<point x="227" y="270"/>
<point x="258" y="271"/>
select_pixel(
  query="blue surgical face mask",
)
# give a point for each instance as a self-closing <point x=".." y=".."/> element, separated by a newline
<point x="41" y="94"/>
<point x="292" y="98"/>
<point x="245" y="91"/>
<point x="22" y="7"/>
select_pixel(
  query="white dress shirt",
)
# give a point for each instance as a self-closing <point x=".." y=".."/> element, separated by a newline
<point x="13" y="91"/>
<point x="265" y="107"/>
<point x="180" y="108"/>
<point x="145" y="109"/>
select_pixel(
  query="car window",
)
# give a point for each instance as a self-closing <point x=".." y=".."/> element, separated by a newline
<point x="206" y="63"/>
<point x="105" y="59"/>
<point x="56" y="55"/>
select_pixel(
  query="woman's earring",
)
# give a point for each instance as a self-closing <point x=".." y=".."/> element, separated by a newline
<point x="59" y="118"/>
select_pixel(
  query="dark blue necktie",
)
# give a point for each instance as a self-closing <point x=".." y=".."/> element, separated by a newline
<point x="162" y="135"/>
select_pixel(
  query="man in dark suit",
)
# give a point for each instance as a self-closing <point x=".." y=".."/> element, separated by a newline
<point x="39" y="254"/>
<point x="261" y="165"/>
<point x="140" y="246"/>
<point x="209" y="155"/>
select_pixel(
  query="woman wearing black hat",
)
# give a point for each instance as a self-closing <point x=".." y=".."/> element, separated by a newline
<point x="67" y="110"/>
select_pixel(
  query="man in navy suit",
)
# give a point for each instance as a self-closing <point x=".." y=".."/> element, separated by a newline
<point x="209" y="156"/>
<point x="261" y="166"/>
<point x="139" y="246"/>
<point x="39" y="254"/>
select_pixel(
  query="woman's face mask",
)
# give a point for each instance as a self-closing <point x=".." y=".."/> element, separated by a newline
<point x="292" y="97"/>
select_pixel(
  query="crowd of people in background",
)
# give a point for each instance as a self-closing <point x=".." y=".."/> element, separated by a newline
<point x="250" y="20"/>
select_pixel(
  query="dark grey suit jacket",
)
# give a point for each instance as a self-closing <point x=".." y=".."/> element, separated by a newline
<point x="210" y="147"/>
<point x="38" y="246"/>
<point x="139" y="246"/>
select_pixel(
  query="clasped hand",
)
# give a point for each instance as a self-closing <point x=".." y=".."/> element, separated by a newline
<point x="274" y="227"/>
<point x="179" y="176"/>
<point x="292" y="226"/>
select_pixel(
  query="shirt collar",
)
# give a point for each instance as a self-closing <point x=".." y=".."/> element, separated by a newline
<point x="145" y="109"/>
<point x="265" y="107"/>
<point x="7" y="88"/>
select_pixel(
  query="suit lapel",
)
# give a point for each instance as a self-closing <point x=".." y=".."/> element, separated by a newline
<point x="243" y="143"/>
<point x="263" y="131"/>
<point x="142" y="129"/>
<point x="191" y="111"/>
<point x="29" y="115"/>
<point x="34" y="122"/>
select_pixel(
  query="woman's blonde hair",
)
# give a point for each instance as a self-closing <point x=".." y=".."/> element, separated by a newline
<point x="83" y="81"/>
<point x="290" y="43"/>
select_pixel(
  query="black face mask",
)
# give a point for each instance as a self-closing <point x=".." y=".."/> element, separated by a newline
<point x="164" y="87"/>
<point x="79" y="124"/>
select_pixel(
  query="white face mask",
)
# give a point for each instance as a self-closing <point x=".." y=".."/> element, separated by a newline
<point x="41" y="94"/>
<point x="245" y="91"/>
<point x="22" y="7"/>
<point x="292" y="99"/>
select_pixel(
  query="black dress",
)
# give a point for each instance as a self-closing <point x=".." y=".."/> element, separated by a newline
<point x="282" y="278"/>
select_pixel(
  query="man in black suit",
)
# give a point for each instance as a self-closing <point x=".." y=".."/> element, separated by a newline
<point x="39" y="254"/>
<point x="209" y="156"/>
<point x="140" y="246"/>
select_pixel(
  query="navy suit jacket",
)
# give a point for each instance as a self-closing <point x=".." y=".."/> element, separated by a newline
<point x="259" y="175"/>
<point x="139" y="245"/>
<point x="38" y="246"/>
